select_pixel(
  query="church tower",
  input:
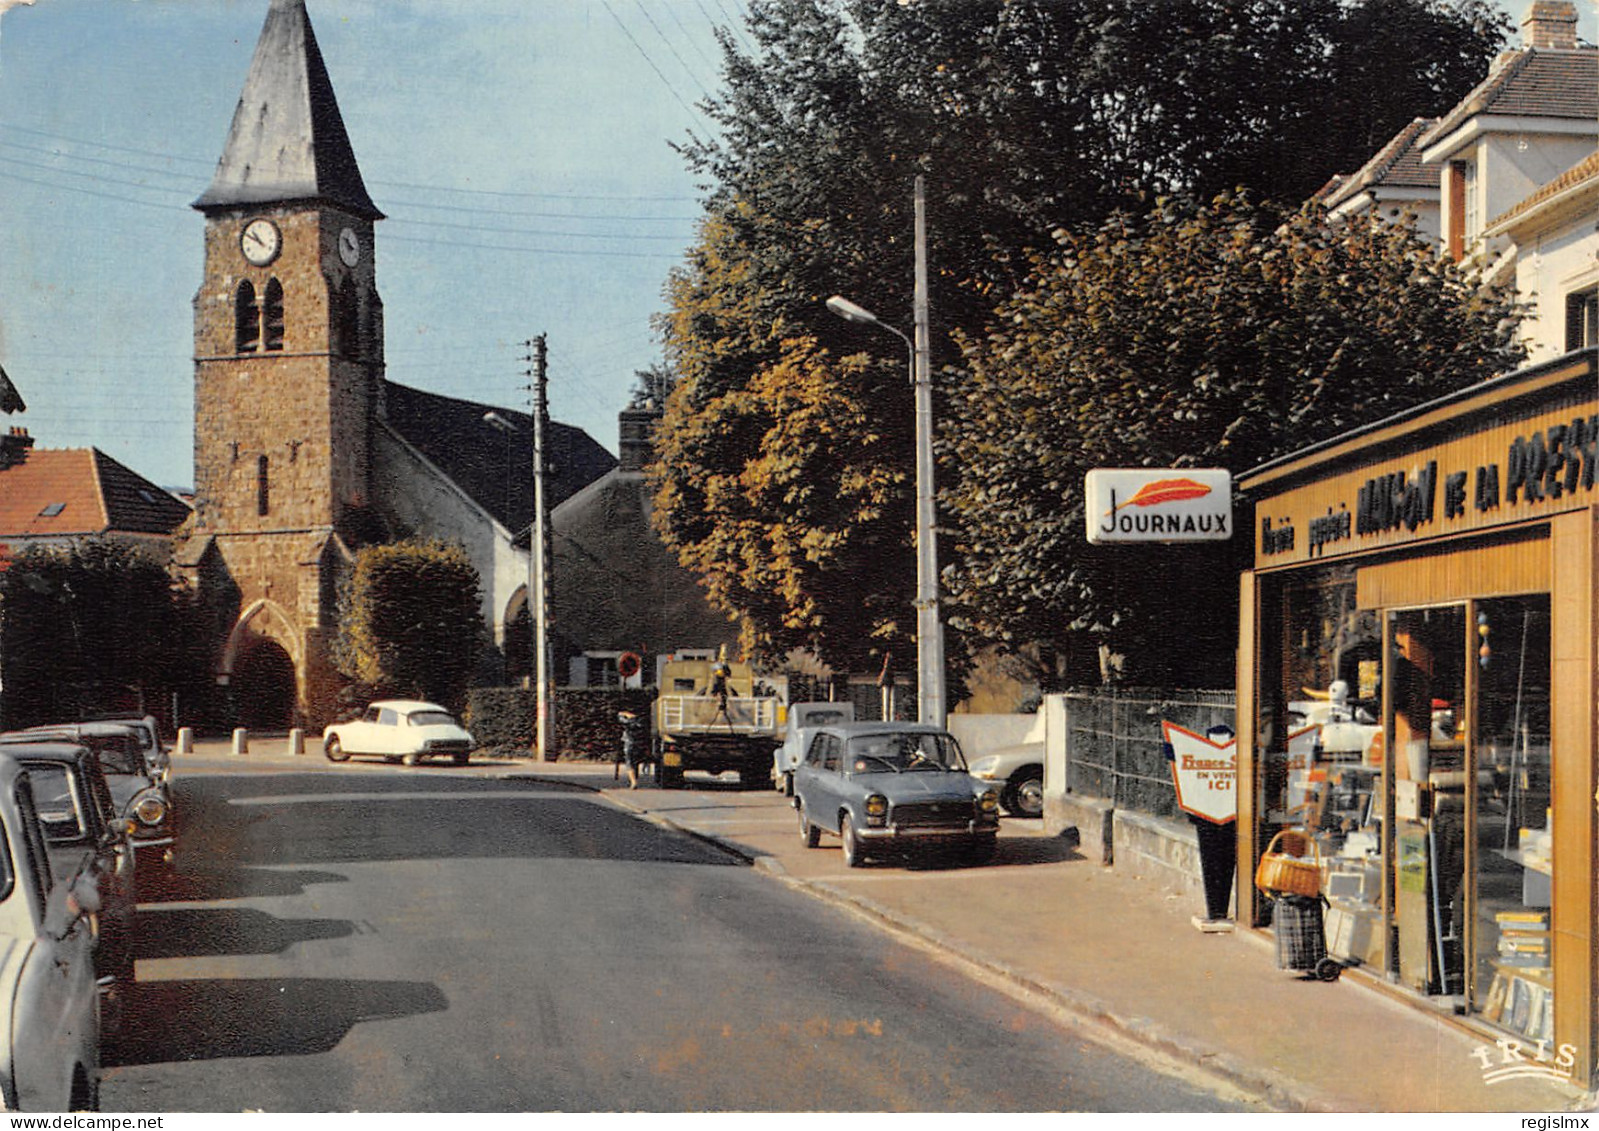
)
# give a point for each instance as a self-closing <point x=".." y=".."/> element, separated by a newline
<point x="288" y="363"/>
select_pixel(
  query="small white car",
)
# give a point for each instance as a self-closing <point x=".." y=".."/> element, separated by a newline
<point x="803" y="719"/>
<point x="399" y="730"/>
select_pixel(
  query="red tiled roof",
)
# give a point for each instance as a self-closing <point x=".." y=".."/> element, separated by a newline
<point x="81" y="491"/>
<point x="1585" y="170"/>
<point x="1534" y="83"/>
<point x="1396" y="165"/>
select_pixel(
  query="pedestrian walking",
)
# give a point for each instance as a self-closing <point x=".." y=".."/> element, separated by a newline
<point x="632" y="745"/>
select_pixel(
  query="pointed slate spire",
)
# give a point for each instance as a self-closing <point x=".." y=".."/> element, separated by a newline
<point x="287" y="141"/>
<point x="10" y="399"/>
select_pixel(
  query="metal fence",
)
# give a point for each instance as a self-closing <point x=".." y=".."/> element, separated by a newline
<point x="1114" y="747"/>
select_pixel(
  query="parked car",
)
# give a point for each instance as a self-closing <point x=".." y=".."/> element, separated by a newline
<point x="803" y="719"/>
<point x="1018" y="773"/>
<point x="49" y="1015"/>
<point x="85" y="836"/>
<point x="887" y="786"/>
<point x="155" y="751"/>
<point x="400" y="730"/>
<point x="141" y="794"/>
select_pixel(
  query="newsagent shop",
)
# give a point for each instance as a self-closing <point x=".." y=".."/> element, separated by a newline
<point x="1417" y="693"/>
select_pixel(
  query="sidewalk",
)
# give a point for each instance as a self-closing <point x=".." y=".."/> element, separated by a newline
<point x="1106" y="953"/>
<point x="1102" y="950"/>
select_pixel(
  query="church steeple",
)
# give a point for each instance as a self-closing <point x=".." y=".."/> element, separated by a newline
<point x="288" y="142"/>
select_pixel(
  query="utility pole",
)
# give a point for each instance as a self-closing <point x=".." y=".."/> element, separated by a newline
<point x="538" y="556"/>
<point x="929" y="629"/>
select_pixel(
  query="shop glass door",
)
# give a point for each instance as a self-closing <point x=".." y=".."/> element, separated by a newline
<point x="1511" y="962"/>
<point x="1427" y="710"/>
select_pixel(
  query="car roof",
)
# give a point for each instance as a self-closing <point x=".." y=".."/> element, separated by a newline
<point x="74" y="730"/>
<point x="14" y="747"/>
<point x="406" y="705"/>
<point x="850" y="730"/>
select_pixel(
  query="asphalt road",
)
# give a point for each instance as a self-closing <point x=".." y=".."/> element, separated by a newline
<point x="422" y="940"/>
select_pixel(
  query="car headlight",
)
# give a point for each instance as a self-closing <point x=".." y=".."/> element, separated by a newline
<point x="150" y="809"/>
<point x="984" y="767"/>
<point x="876" y="809"/>
<point x="988" y="801"/>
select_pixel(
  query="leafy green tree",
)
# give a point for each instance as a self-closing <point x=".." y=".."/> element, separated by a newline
<point x="410" y="621"/>
<point x="95" y="626"/>
<point x="1190" y="336"/>
<point x="1025" y="116"/>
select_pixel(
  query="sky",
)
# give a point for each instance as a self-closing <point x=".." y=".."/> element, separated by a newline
<point x="520" y="149"/>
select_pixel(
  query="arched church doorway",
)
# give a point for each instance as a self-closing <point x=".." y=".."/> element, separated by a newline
<point x="264" y="687"/>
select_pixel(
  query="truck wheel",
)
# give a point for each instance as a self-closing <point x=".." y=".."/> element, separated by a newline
<point x="671" y="777"/>
<point x="753" y="777"/>
<point x="853" y="856"/>
<point x="810" y="835"/>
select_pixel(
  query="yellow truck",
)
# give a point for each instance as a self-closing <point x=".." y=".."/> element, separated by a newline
<point x="713" y="714"/>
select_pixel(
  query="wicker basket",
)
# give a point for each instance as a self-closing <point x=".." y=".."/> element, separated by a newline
<point x="1286" y="873"/>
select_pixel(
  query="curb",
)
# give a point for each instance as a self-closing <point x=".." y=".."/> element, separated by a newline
<point x="1082" y="1010"/>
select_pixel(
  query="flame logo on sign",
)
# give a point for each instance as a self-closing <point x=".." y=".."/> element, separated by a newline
<point x="1163" y="491"/>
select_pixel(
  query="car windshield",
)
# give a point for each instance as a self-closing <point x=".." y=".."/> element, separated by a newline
<point x="431" y="719"/>
<point x="904" y="752"/>
<point x="118" y="754"/>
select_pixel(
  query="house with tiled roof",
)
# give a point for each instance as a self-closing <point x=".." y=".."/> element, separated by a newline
<point x="59" y="496"/>
<point x="1535" y="116"/>
<point x="1394" y="183"/>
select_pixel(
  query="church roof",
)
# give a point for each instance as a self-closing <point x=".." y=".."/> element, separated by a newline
<point x="491" y="462"/>
<point x="287" y="141"/>
<point x="71" y="492"/>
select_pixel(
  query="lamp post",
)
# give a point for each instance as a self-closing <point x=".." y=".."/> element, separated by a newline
<point x="929" y="629"/>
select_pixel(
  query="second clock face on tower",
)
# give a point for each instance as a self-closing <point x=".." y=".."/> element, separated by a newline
<point x="349" y="247"/>
<point x="260" y="242"/>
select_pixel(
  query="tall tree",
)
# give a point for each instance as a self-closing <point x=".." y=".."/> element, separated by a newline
<point x="1024" y="116"/>
<point x="410" y="622"/>
<point x="1190" y="336"/>
<point x="95" y="626"/>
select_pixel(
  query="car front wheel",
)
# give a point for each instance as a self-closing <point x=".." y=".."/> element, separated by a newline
<point x="335" y="750"/>
<point x="411" y="759"/>
<point x="853" y="856"/>
<point x="1023" y="796"/>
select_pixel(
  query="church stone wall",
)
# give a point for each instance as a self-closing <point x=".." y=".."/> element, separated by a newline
<point x="417" y="497"/>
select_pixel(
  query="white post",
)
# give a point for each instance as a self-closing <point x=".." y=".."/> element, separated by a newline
<point x="241" y="741"/>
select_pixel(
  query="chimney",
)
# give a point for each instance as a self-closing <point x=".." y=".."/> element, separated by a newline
<point x="635" y="447"/>
<point x="1550" y="24"/>
<point x="14" y="447"/>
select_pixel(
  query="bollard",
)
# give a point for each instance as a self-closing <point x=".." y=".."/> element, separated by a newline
<point x="241" y="741"/>
<point x="185" y="740"/>
<point x="296" y="741"/>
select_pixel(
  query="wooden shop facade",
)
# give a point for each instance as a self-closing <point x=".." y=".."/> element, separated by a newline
<point x="1416" y="688"/>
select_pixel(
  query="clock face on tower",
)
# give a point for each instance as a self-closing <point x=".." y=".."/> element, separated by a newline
<point x="349" y="247"/>
<point x="260" y="242"/>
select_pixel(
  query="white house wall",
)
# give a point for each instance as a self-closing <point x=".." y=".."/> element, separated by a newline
<point x="1550" y="265"/>
<point x="418" y="496"/>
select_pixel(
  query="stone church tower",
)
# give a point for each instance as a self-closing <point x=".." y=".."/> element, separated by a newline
<point x="288" y="381"/>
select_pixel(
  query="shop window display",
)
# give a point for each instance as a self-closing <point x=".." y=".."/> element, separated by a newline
<point x="1321" y="761"/>
<point x="1512" y="975"/>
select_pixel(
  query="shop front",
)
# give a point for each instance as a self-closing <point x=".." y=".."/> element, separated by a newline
<point x="1416" y="690"/>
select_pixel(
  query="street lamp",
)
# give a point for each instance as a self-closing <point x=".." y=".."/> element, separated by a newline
<point x="929" y="630"/>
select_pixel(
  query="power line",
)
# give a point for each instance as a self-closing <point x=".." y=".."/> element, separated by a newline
<point x="688" y="70"/>
<point x="640" y="47"/>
